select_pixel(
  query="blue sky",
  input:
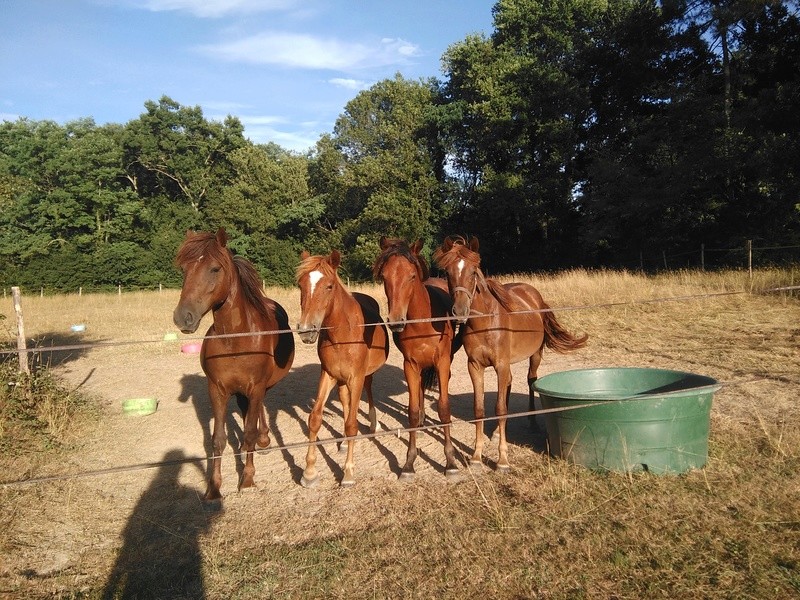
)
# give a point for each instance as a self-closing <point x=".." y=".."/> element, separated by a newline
<point x="286" y="68"/>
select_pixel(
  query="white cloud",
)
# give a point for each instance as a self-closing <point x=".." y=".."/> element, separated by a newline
<point x="262" y="129"/>
<point x="224" y="107"/>
<point x="215" y="8"/>
<point x="349" y="84"/>
<point x="303" y="51"/>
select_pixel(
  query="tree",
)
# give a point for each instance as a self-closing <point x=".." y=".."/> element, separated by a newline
<point x="523" y="106"/>
<point x="381" y="178"/>
<point x="172" y="150"/>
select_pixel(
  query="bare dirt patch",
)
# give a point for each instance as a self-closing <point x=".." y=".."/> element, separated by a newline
<point x="147" y="526"/>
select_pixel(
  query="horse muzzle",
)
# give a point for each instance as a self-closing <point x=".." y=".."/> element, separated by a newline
<point x="185" y="320"/>
<point x="307" y="335"/>
<point x="461" y="313"/>
<point x="396" y="323"/>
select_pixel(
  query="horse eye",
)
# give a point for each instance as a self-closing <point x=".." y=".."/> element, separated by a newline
<point x="215" y="269"/>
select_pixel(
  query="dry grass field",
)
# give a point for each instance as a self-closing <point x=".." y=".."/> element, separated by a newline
<point x="123" y="517"/>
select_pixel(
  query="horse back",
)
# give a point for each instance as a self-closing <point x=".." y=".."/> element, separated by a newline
<point x="556" y="336"/>
<point x="525" y="294"/>
<point x="377" y="337"/>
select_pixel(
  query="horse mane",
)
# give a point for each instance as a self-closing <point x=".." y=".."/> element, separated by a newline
<point x="251" y="284"/>
<point x="314" y="263"/>
<point x="499" y="291"/>
<point x="205" y="244"/>
<point x="398" y="247"/>
<point x="461" y="251"/>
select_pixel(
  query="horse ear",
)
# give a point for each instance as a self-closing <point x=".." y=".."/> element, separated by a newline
<point x="447" y="244"/>
<point x="383" y="243"/>
<point x="304" y="255"/>
<point x="473" y="244"/>
<point x="416" y="246"/>
<point x="222" y="237"/>
<point x="335" y="259"/>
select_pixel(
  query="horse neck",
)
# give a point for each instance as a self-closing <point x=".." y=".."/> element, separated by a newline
<point x="232" y="315"/>
<point x="419" y="304"/>
<point x="343" y="309"/>
<point x="486" y="302"/>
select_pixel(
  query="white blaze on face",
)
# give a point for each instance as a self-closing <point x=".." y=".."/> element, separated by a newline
<point x="460" y="267"/>
<point x="314" y="278"/>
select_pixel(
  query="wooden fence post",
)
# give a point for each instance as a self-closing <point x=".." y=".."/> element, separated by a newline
<point x="750" y="258"/>
<point x="702" y="257"/>
<point x="22" y="348"/>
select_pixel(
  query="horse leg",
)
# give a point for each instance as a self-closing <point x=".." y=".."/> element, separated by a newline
<point x="373" y="414"/>
<point x="255" y="417"/>
<point x="503" y="390"/>
<point x="533" y="369"/>
<point x="354" y="389"/>
<point x="263" y="428"/>
<point x="343" y="395"/>
<point x="414" y="380"/>
<point x="443" y="372"/>
<point x="476" y="375"/>
<point x="310" y="476"/>
<point x="219" y="402"/>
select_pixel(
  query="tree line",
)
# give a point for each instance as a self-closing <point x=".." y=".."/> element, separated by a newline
<point x="576" y="133"/>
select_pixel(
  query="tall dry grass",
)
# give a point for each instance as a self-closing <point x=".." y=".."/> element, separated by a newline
<point x="548" y="529"/>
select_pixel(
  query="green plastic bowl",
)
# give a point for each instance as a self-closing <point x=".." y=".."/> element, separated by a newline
<point x="641" y="419"/>
<point x="139" y="406"/>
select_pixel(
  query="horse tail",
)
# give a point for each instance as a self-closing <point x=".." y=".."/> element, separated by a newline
<point x="556" y="337"/>
<point x="429" y="378"/>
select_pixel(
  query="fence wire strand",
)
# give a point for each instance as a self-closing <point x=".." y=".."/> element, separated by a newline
<point x="391" y="432"/>
<point x="663" y="300"/>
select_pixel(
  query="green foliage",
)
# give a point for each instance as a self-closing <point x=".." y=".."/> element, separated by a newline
<point x="578" y="132"/>
<point x="36" y="410"/>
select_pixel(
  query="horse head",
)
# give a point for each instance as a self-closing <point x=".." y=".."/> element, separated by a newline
<point x="461" y="261"/>
<point x="207" y="267"/>
<point x="402" y="270"/>
<point x="318" y="282"/>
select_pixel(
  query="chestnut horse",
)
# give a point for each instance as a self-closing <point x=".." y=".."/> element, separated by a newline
<point x="427" y="344"/>
<point x="500" y="327"/>
<point x="245" y="366"/>
<point x="352" y="343"/>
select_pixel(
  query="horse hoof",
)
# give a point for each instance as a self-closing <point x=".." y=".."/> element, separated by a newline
<point x="452" y="474"/>
<point x="346" y="483"/>
<point x="212" y="496"/>
<point x="311" y="483"/>
<point x="503" y="468"/>
<point x="406" y="475"/>
<point x="342" y="448"/>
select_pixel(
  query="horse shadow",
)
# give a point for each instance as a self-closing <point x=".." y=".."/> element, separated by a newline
<point x="40" y="357"/>
<point x="519" y="430"/>
<point x="160" y="555"/>
<point x="387" y="381"/>
<point x="295" y="396"/>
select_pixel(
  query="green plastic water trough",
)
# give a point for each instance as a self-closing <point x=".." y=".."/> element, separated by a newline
<point x="640" y="419"/>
